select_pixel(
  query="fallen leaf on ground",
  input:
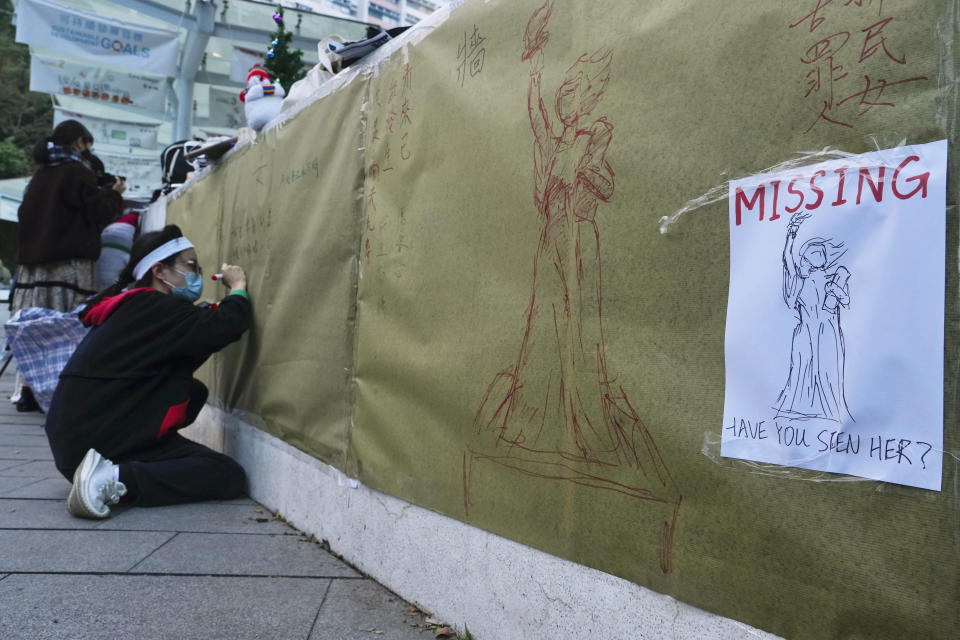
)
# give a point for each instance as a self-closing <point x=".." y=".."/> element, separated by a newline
<point x="443" y="632"/>
<point x="432" y="620"/>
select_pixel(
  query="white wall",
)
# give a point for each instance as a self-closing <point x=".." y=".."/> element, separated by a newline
<point x="498" y="588"/>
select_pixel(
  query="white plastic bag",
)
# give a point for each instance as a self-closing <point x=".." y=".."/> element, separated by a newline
<point x="300" y="92"/>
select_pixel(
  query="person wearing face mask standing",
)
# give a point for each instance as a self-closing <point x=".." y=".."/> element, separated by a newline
<point x="62" y="214"/>
<point x="129" y="387"/>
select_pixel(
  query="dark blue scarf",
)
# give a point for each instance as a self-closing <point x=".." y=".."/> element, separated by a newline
<point x="58" y="154"/>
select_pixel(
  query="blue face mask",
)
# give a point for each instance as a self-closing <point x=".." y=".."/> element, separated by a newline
<point x="194" y="286"/>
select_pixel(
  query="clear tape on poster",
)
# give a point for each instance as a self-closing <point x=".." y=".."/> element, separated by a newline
<point x="720" y="192"/>
<point x="712" y="440"/>
<point x="946" y="118"/>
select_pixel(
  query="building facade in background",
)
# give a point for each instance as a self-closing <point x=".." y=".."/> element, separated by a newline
<point x="386" y="13"/>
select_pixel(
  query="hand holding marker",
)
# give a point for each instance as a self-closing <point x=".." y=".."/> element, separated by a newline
<point x="231" y="276"/>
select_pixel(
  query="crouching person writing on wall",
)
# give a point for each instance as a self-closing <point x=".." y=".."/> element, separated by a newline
<point x="129" y="386"/>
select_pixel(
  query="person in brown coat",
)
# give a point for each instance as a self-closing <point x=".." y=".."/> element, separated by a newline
<point x="60" y="220"/>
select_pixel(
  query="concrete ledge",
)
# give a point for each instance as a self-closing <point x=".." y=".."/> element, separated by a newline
<point x="498" y="588"/>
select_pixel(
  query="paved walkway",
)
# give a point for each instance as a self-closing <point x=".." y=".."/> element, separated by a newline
<point x="206" y="571"/>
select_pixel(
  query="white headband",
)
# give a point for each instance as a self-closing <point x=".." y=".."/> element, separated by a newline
<point x="159" y="254"/>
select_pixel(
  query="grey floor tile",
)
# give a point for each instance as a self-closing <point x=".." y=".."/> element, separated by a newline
<point x="361" y="609"/>
<point x="22" y="418"/>
<point x="10" y="484"/>
<point x="36" y="488"/>
<point x="40" y="514"/>
<point x="34" y="468"/>
<point x="237" y="501"/>
<point x="158" y="607"/>
<point x="8" y="408"/>
<point x="36" y="439"/>
<point x="10" y="463"/>
<point x="238" y="554"/>
<point x="27" y="453"/>
<point x="22" y="429"/>
<point x="201" y="517"/>
<point x="75" y="551"/>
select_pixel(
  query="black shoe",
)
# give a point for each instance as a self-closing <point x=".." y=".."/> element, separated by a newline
<point x="27" y="402"/>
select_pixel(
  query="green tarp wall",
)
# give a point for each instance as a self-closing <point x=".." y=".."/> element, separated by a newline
<point x="463" y="298"/>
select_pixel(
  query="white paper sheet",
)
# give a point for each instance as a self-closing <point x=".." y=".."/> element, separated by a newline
<point x="834" y="337"/>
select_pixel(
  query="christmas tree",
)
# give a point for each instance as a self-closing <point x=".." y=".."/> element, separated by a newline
<point x="285" y="65"/>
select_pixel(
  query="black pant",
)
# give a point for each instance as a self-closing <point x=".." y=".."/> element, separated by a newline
<point x="172" y="470"/>
<point x="178" y="470"/>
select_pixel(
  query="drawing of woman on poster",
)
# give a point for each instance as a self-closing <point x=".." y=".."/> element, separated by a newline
<point x="556" y="412"/>
<point x="816" y="286"/>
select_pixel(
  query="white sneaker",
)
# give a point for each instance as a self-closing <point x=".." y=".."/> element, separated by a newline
<point x="95" y="487"/>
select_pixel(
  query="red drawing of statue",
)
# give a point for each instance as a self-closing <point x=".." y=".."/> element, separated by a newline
<point x="556" y="412"/>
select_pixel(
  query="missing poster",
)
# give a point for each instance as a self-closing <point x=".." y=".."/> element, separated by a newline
<point x="834" y="335"/>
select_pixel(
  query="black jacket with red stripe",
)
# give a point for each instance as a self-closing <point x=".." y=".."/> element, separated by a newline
<point x="130" y="381"/>
<point x="63" y="213"/>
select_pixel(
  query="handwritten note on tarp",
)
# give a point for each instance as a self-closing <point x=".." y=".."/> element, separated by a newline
<point x="834" y="338"/>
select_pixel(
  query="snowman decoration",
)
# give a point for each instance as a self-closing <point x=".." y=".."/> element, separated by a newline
<point x="261" y="99"/>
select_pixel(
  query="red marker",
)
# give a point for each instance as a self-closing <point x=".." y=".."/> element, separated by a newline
<point x="217" y="276"/>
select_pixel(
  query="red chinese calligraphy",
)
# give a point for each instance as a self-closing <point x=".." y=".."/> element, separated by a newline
<point x="834" y="67"/>
<point x="876" y="40"/>
<point x="392" y="118"/>
<point x="875" y="90"/>
<point x="815" y="19"/>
